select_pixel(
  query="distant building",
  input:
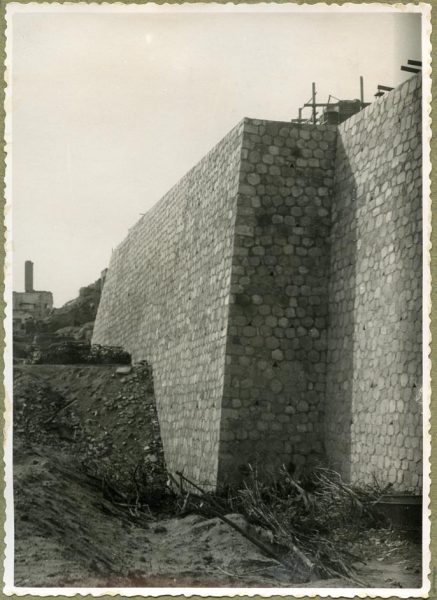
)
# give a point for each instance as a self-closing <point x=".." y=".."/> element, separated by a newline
<point x="31" y="305"/>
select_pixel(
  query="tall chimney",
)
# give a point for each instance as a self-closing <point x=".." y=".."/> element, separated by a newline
<point x="28" y="276"/>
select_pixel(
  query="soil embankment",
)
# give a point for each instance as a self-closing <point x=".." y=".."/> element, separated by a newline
<point x="86" y="440"/>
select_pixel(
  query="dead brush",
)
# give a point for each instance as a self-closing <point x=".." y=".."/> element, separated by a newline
<point x="310" y="523"/>
<point x="311" y="520"/>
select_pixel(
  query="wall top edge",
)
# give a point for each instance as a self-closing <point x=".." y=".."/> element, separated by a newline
<point x="407" y="87"/>
<point x="236" y="131"/>
<point x="307" y="126"/>
<point x="241" y="126"/>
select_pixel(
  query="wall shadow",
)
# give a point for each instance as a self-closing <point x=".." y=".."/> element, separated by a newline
<point x="342" y="292"/>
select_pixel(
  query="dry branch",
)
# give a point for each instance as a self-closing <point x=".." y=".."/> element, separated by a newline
<point x="217" y="510"/>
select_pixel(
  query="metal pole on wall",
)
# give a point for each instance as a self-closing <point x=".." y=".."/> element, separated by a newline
<point x="314" y="103"/>
<point x="361" y="91"/>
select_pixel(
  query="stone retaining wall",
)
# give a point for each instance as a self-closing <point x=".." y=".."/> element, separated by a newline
<point x="166" y="300"/>
<point x="375" y="353"/>
<point x="276" y="291"/>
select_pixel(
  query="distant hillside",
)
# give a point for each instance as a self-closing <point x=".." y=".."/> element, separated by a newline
<point x="75" y="313"/>
<point x="73" y="321"/>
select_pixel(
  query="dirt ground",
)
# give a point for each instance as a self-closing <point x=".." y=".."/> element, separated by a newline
<point x="78" y="428"/>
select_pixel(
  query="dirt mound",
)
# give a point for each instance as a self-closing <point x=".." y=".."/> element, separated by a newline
<point x="105" y="420"/>
<point x="62" y="527"/>
<point x="69" y="534"/>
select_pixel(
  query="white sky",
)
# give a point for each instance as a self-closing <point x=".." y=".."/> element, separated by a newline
<point x="110" y="110"/>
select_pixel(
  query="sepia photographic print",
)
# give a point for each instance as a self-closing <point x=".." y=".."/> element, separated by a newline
<point x="217" y="299"/>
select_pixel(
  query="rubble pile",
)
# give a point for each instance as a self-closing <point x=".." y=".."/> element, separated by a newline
<point x="65" y="350"/>
<point x="104" y="416"/>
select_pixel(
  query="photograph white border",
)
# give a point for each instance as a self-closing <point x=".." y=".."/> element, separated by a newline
<point x="425" y="10"/>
